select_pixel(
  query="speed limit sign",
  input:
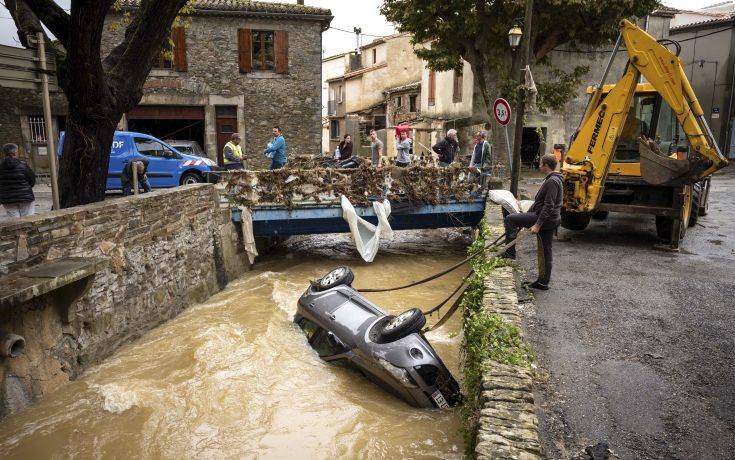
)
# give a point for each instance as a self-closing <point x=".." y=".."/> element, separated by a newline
<point x="501" y="109"/>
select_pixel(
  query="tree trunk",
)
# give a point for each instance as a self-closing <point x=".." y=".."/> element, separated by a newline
<point x="83" y="166"/>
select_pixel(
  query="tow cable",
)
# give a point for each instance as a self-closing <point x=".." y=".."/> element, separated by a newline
<point x="458" y="301"/>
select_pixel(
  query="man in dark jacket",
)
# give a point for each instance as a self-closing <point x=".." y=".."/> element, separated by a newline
<point x="16" y="184"/>
<point x="543" y="219"/>
<point x="447" y="149"/>
<point x="126" y="178"/>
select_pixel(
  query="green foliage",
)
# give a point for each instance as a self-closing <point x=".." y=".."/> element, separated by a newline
<point x="477" y="31"/>
<point x="486" y="336"/>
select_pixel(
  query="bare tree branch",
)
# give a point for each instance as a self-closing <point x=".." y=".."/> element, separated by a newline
<point x="52" y="16"/>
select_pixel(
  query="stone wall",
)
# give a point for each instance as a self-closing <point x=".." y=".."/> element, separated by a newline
<point x="264" y="98"/>
<point x="508" y="425"/>
<point x="165" y="250"/>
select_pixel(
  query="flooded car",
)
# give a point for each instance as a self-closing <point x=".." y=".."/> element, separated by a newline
<point x="344" y="327"/>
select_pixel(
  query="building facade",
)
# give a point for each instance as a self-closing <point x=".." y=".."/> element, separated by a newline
<point x="235" y="67"/>
<point x="708" y="53"/>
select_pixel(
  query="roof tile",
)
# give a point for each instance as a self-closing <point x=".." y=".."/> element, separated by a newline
<point x="247" y="6"/>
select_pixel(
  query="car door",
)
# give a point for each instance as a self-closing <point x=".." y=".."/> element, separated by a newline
<point x="119" y="153"/>
<point x="163" y="163"/>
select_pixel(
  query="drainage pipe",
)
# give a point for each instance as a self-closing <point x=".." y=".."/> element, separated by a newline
<point x="11" y="345"/>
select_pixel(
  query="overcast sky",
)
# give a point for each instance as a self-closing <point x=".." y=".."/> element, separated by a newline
<point x="347" y="14"/>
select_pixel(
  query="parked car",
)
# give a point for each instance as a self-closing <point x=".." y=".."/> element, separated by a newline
<point x="167" y="167"/>
<point x="343" y="326"/>
<point x="187" y="147"/>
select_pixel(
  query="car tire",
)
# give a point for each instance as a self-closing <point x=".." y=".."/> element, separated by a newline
<point x="191" y="178"/>
<point x="399" y="326"/>
<point x="696" y="203"/>
<point x="337" y="277"/>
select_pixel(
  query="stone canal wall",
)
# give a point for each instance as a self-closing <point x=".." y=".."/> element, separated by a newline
<point x="508" y="425"/>
<point x="163" y="251"/>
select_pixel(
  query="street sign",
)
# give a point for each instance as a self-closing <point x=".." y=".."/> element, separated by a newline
<point x="501" y="110"/>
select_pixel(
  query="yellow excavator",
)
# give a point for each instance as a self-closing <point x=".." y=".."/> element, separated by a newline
<point x="642" y="148"/>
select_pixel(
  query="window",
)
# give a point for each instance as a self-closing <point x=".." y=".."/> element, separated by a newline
<point x="379" y="122"/>
<point x="151" y="148"/>
<point x="432" y="87"/>
<point x="325" y="343"/>
<point x="339" y="94"/>
<point x="457" y="93"/>
<point x="334" y="129"/>
<point x="166" y="58"/>
<point x="412" y="103"/>
<point x="638" y="122"/>
<point x="264" y="50"/>
<point x="309" y="328"/>
<point x="375" y="55"/>
<point x="399" y="102"/>
<point x="38" y="129"/>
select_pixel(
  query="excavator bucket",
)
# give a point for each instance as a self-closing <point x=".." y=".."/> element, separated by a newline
<point x="659" y="169"/>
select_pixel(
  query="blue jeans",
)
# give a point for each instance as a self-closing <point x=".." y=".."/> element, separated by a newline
<point x="142" y="183"/>
<point x="276" y="165"/>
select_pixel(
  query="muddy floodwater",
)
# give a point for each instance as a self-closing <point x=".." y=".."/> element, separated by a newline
<point x="233" y="377"/>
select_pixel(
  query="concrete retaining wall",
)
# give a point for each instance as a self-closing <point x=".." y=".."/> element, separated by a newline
<point x="508" y="426"/>
<point x="165" y="250"/>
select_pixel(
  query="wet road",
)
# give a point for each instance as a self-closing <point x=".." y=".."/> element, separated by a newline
<point x="636" y="345"/>
<point x="233" y="378"/>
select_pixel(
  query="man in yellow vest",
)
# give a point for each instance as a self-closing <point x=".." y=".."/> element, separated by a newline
<point x="233" y="153"/>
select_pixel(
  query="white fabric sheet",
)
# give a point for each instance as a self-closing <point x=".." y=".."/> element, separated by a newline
<point x="506" y="199"/>
<point x="366" y="235"/>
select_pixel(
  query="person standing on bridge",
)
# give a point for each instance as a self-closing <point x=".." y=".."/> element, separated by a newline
<point x="276" y="149"/>
<point x="16" y="184"/>
<point x="447" y="149"/>
<point x="403" y="150"/>
<point x="376" y="148"/>
<point x="543" y="219"/>
<point x="232" y="153"/>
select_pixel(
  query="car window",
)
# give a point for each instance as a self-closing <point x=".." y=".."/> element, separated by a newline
<point x="325" y="345"/>
<point x="151" y="148"/>
<point x="185" y="149"/>
<point x="308" y="327"/>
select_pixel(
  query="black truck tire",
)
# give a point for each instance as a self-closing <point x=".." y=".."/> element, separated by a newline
<point x="397" y="327"/>
<point x="665" y="225"/>
<point x="575" y="220"/>
<point x="697" y="195"/>
<point x="337" y="277"/>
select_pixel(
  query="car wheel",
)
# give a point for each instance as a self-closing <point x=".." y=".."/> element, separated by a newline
<point x="337" y="277"/>
<point x="396" y="327"/>
<point x="191" y="178"/>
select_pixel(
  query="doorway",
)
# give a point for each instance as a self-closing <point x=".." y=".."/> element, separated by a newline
<point x="226" y="125"/>
<point x="530" y="148"/>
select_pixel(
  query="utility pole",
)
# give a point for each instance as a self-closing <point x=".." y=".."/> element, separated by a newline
<point x="525" y="59"/>
<point x="50" y="145"/>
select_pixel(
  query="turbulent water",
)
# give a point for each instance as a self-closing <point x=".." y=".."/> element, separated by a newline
<point x="234" y="378"/>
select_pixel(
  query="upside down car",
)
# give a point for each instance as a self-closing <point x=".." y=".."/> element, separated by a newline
<point x="343" y="326"/>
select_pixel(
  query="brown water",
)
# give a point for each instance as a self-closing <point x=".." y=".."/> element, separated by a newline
<point x="234" y="378"/>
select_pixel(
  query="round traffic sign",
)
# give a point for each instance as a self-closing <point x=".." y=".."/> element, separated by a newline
<point x="501" y="109"/>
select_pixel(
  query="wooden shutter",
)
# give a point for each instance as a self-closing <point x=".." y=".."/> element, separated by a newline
<point x="432" y="87"/>
<point x="457" y="96"/>
<point x="281" y="51"/>
<point x="178" y="36"/>
<point x="245" y="49"/>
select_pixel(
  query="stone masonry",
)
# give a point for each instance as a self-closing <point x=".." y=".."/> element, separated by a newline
<point x="263" y="98"/>
<point x="508" y="426"/>
<point x="164" y="250"/>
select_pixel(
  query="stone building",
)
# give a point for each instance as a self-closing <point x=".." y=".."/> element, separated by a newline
<point x="385" y="72"/>
<point x="237" y="66"/>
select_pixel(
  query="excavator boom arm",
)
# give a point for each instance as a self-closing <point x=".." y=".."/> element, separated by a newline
<point x="588" y="160"/>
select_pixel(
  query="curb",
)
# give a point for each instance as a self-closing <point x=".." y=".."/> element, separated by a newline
<point x="508" y="425"/>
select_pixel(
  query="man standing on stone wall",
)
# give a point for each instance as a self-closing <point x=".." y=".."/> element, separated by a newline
<point x="233" y="153"/>
<point x="16" y="184"/>
<point x="276" y="149"/>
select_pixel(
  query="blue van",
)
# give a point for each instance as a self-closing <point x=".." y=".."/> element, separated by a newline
<point x="167" y="167"/>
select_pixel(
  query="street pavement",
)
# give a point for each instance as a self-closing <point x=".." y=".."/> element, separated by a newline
<point x="635" y="345"/>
